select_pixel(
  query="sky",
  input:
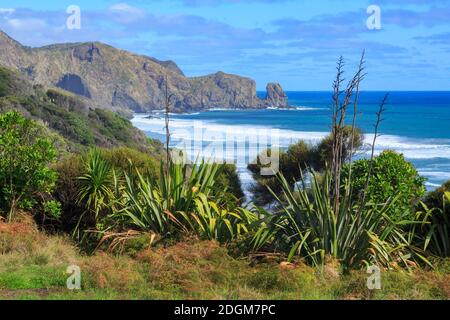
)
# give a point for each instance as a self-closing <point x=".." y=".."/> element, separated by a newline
<point x="293" y="42"/>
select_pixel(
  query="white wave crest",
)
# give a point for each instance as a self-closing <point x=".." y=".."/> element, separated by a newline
<point x="185" y="129"/>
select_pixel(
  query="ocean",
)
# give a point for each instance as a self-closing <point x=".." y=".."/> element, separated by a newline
<point x="416" y="124"/>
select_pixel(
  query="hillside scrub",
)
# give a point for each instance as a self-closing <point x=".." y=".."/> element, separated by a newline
<point x="73" y="118"/>
<point x="33" y="266"/>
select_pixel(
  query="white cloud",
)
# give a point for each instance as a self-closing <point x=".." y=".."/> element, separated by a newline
<point x="125" y="13"/>
<point x="29" y="24"/>
<point x="7" y="11"/>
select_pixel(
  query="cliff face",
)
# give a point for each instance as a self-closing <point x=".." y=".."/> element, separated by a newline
<point x="120" y="80"/>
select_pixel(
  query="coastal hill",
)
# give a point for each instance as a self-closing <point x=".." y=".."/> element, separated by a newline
<point x="71" y="120"/>
<point x="122" y="81"/>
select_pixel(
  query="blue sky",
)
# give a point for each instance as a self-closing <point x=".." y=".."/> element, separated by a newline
<point x="294" y="42"/>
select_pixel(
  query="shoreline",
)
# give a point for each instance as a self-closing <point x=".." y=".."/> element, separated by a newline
<point x="421" y="152"/>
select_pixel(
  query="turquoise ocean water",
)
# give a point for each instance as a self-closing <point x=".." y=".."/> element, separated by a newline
<point x="416" y="124"/>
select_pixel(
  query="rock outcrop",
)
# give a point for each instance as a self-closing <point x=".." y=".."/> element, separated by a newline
<point x="276" y="98"/>
<point x="119" y="80"/>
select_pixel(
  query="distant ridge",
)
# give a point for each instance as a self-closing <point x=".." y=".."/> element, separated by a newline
<point x="120" y="80"/>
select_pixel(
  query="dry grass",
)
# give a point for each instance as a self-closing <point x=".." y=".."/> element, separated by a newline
<point x="33" y="264"/>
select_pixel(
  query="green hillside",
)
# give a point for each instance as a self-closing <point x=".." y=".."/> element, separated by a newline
<point x="80" y="124"/>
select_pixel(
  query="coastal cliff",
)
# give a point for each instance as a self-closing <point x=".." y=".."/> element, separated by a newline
<point x="122" y="81"/>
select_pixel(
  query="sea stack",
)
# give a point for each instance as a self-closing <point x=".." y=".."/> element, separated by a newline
<point x="276" y="97"/>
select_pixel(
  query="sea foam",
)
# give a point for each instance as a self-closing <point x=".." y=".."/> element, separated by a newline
<point x="182" y="129"/>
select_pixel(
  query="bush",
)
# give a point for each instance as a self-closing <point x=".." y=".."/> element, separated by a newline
<point x="437" y="208"/>
<point x="307" y="225"/>
<point x="121" y="159"/>
<point x="25" y="156"/>
<point x="392" y="176"/>
<point x="323" y="153"/>
<point x="73" y="166"/>
<point x="66" y="190"/>
<point x="296" y="159"/>
<point x="292" y="162"/>
<point x="436" y="198"/>
<point x="228" y="179"/>
<point x="184" y="199"/>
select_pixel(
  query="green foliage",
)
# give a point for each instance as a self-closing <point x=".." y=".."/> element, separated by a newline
<point x="95" y="189"/>
<point x="79" y="130"/>
<point x="114" y="195"/>
<point x="70" y="117"/>
<point x="52" y="209"/>
<point x="292" y="162"/>
<point x="124" y="159"/>
<point x="324" y="150"/>
<point x="437" y="198"/>
<point x="5" y="82"/>
<point x="297" y="158"/>
<point x="435" y="233"/>
<point x="307" y="225"/>
<point x="391" y="176"/>
<point x="66" y="189"/>
<point x="228" y="179"/>
<point x="25" y="156"/>
<point x="184" y="199"/>
<point x="121" y="160"/>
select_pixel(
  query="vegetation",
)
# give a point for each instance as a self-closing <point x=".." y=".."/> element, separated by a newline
<point x="25" y="156"/>
<point x="308" y="226"/>
<point x="435" y="234"/>
<point x="354" y="212"/>
<point x="69" y="116"/>
<point x="299" y="157"/>
<point x="394" y="177"/>
<point x="142" y="226"/>
<point x="33" y="266"/>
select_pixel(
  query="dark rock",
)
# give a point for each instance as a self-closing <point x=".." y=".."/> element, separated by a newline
<point x="73" y="83"/>
<point x="122" y="99"/>
<point x="86" y="52"/>
<point x="276" y="98"/>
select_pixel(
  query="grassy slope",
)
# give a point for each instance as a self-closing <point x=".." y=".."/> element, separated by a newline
<point x="32" y="266"/>
<point x="79" y="124"/>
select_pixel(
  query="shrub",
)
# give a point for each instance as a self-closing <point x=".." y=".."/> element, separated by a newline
<point x="437" y="199"/>
<point x="228" y="179"/>
<point x="324" y="150"/>
<point x="124" y="159"/>
<point x="392" y="176"/>
<point x="297" y="158"/>
<point x="66" y="190"/>
<point x="184" y="199"/>
<point x="73" y="166"/>
<point x="307" y="225"/>
<point x="291" y="163"/>
<point x="435" y="234"/>
<point x="25" y="156"/>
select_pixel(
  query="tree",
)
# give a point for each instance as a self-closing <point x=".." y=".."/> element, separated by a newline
<point x="25" y="156"/>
